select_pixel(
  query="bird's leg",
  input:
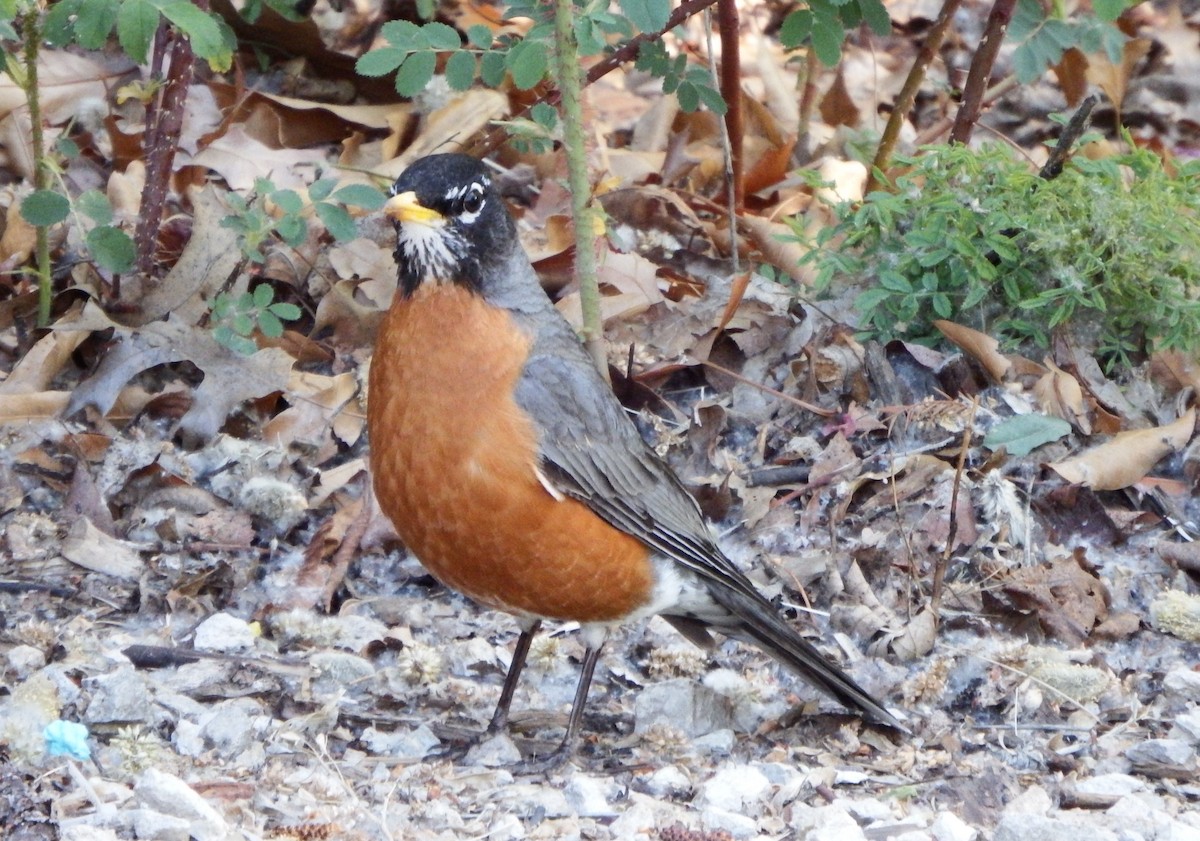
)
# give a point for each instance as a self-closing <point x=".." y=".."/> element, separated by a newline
<point x="459" y="749"/>
<point x="515" y="667"/>
<point x="571" y="739"/>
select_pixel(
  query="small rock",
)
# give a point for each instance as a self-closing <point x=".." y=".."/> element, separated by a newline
<point x="1184" y="683"/>
<point x="229" y="727"/>
<point x="340" y="668"/>
<point x="669" y="781"/>
<point x="684" y="705"/>
<point x="1110" y="784"/>
<point x="1187" y="727"/>
<point x="119" y="697"/>
<point x="1025" y="826"/>
<point x="721" y="820"/>
<point x="1163" y="758"/>
<point x="83" y="832"/>
<point x="636" y="822"/>
<point x="586" y="797"/>
<point x="496" y="752"/>
<point x="224" y="633"/>
<point x="718" y="743"/>
<point x="187" y="739"/>
<point x="1032" y="801"/>
<point x="410" y="743"/>
<point x="867" y="810"/>
<point x="948" y="826"/>
<point x="831" y="823"/>
<point x="735" y="788"/>
<point x="148" y="823"/>
<point x="24" y="660"/>
<point x="170" y="795"/>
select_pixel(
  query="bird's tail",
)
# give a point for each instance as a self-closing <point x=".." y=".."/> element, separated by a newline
<point x="758" y="622"/>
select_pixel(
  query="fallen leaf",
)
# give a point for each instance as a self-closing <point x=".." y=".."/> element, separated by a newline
<point x="90" y="548"/>
<point x="979" y="346"/>
<point x="1127" y="456"/>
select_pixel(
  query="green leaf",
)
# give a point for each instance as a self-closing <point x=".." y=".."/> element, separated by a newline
<point x="827" y="37"/>
<point x="288" y="201"/>
<point x="796" y="29"/>
<point x="292" y="229"/>
<point x="96" y="19"/>
<point x="527" y="61"/>
<point x="242" y="324"/>
<point x="137" y="21"/>
<point x="234" y="342"/>
<point x="415" y="73"/>
<point x="337" y="221"/>
<point x="712" y="99"/>
<point x="262" y="296"/>
<point x="380" y="62"/>
<point x="647" y="15"/>
<point x="876" y="16"/>
<point x="201" y="28"/>
<point x="1024" y="433"/>
<point x="111" y="248"/>
<point x="439" y="36"/>
<point x="544" y="115"/>
<point x="460" y="70"/>
<point x="492" y="68"/>
<point x="360" y="195"/>
<point x="45" y="207"/>
<point x="404" y="35"/>
<point x="479" y="36"/>
<point x="285" y="311"/>
<point x="94" y="205"/>
<point x="59" y="28"/>
<point x="320" y="189"/>
<point x="689" y="98"/>
<point x="270" y="326"/>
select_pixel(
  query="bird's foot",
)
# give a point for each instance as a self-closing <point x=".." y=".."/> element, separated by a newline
<point x="542" y="765"/>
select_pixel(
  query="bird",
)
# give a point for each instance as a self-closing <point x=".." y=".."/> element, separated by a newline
<point x="513" y="474"/>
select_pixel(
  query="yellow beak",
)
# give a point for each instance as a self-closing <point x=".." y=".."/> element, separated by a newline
<point x="405" y="208"/>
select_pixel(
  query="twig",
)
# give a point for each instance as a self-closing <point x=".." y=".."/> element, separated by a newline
<point x="939" y="572"/>
<point x="908" y="93"/>
<point x="980" y="74"/>
<point x="1075" y="127"/>
<point x="795" y="401"/>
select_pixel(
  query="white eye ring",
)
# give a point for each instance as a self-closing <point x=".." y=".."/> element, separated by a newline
<point x="472" y="202"/>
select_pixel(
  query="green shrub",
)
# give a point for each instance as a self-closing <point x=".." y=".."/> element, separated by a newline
<point x="1108" y="251"/>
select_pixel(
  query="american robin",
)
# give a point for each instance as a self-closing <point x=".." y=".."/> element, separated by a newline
<point x="511" y="471"/>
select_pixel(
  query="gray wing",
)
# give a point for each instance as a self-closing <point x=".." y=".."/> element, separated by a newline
<point x="592" y="451"/>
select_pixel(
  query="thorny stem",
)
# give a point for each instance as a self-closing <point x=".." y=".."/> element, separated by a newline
<point x="32" y="36"/>
<point x="980" y="74"/>
<point x="908" y="94"/>
<point x="732" y="149"/>
<point x="164" y="121"/>
<point x="731" y="92"/>
<point x="566" y="51"/>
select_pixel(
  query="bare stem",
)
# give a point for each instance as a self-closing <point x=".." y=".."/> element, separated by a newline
<point x="908" y="94"/>
<point x="980" y="74"/>
<point x="32" y="35"/>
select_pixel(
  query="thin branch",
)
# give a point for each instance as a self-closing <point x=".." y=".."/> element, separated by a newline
<point x="731" y="92"/>
<point x="32" y="36"/>
<point x="1077" y="126"/>
<point x="908" y="94"/>
<point x="980" y="74"/>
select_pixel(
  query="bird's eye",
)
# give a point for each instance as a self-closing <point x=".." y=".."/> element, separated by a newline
<point x="472" y="202"/>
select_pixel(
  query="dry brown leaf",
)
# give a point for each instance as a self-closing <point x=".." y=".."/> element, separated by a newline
<point x="42" y="363"/>
<point x="209" y="259"/>
<point x="240" y="160"/>
<point x="229" y="378"/>
<point x="1068" y="599"/>
<point x="779" y="246"/>
<point x="68" y="84"/>
<point x="1127" y="457"/>
<point x="317" y="404"/>
<point x="979" y="346"/>
<point x="92" y="549"/>
<point x="1059" y="394"/>
<point x="448" y="129"/>
<point x="1113" y="79"/>
<point x="19" y="237"/>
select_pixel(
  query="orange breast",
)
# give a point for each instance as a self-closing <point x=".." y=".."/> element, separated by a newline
<point x="453" y="460"/>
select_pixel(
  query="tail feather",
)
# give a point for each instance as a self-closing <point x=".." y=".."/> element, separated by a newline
<point x="758" y="622"/>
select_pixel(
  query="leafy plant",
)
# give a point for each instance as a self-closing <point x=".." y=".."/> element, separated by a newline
<point x="1108" y="250"/>
<point x="256" y="226"/>
<point x="236" y="317"/>
<point x="822" y="24"/>
<point x="1042" y="35"/>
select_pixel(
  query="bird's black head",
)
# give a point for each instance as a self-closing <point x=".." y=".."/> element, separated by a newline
<point x="451" y="224"/>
